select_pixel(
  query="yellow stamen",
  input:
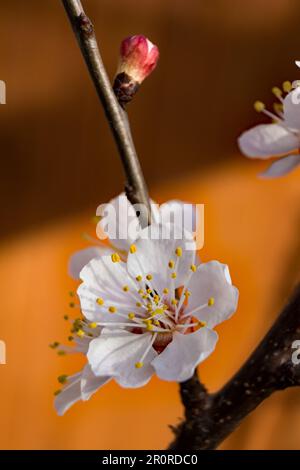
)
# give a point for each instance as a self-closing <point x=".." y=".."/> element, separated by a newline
<point x="138" y="365"/>
<point x="178" y="251"/>
<point x="138" y="304"/>
<point x="187" y="293"/>
<point x="156" y="322"/>
<point x="139" y="278"/>
<point x="100" y="301"/>
<point x="171" y="264"/>
<point x="174" y="302"/>
<point x="158" y="311"/>
<point x="80" y="333"/>
<point x="62" y="378"/>
<point x="149" y="277"/>
<point x="259" y="106"/>
<point x="140" y="291"/>
<point x="166" y="290"/>
<point x="211" y="301"/>
<point x="125" y="288"/>
<point x="115" y="258"/>
<point x="173" y="275"/>
<point x="287" y="86"/>
<point x="277" y="92"/>
<point x="112" y="309"/>
<point x="278" y="107"/>
<point x="132" y="249"/>
<point x="93" y="325"/>
<point x="156" y="298"/>
<point x="193" y="268"/>
<point x="77" y="324"/>
<point x="131" y="316"/>
<point x="149" y="291"/>
<point x="201" y="324"/>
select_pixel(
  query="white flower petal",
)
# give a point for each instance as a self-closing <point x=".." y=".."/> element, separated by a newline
<point x="116" y="352"/>
<point x="80" y="258"/>
<point x="180" y="358"/>
<point x="154" y="253"/>
<point x="180" y="213"/>
<point x="155" y="212"/>
<point x="281" y="167"/>
<point x="69" y="395"/>
<point x="104" y="279"/>
<point x="291" y="110"/>
<point x="90" y="383"/>
<point x="123" y="225"/>
<point x="266" y="140"/>
<point x="212" y="280"/>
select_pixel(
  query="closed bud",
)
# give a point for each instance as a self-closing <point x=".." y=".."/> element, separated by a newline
<point x="138" y="58"/>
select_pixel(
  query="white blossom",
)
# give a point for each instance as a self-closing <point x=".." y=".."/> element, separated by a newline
<point x="280" y="139"/>
<point x="153" y="313"/>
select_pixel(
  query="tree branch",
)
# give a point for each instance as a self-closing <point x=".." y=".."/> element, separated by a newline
<point x="210" y="418"/>
<point x="83" y="28"/>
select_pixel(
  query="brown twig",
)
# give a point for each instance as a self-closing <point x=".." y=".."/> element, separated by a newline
<point x="210" y="418"/>
<point x="83" y="28"/>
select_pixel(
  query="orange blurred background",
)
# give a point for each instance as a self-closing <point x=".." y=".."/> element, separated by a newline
<point x="59" y="162"/>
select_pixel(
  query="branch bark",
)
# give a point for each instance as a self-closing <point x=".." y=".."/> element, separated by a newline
<point x="83" y="28"/>
<point x="210" y="418"/>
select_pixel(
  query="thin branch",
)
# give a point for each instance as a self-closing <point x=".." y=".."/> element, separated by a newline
<point x="210" y="418"/>
<point x="83" y="28"/>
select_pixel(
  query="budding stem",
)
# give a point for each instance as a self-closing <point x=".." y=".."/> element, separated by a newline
<point x="136" y="189"/>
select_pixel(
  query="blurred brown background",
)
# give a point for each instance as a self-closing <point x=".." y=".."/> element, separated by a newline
<point x="59" y="162"/>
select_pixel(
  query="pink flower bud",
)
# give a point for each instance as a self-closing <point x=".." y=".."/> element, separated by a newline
<point x="138" y="58"/>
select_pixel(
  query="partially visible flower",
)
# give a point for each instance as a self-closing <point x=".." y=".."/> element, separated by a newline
<point x="138" y="58"/>
<point x="125" y="215"/>
<point x="280" y="138"/>
<point x="153" y="314"/>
